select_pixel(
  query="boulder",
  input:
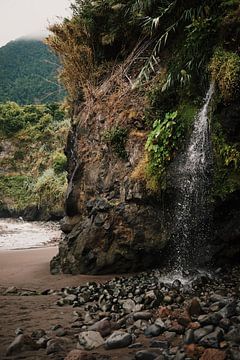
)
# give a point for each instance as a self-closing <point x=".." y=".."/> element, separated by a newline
<point x="90" y="340"/>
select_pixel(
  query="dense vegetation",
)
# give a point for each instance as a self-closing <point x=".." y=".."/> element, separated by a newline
<point x="28" y="73"/>
<point x="167" y="51"/>
<point x="33" y="176"/>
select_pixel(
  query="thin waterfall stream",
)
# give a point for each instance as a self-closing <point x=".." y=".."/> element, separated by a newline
<point x="191" y="225"/>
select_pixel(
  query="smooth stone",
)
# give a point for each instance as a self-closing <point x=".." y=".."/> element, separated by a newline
<point x="194" y="308"/>
<point x="102" y="326"/>
<point x="60" y="332"/>
<point x="158" y="322"/>
<point x="118" y="339"/>
<point x="90" y="340"/>
<point x="152" y="330"/>
<point x="210" y="319"/>
<point x="54" y="346"/>
<point x="201" y="332"/>
<point x="162" y="344"/>
<point x="20" y="343"/>
<point x="128" y="306"/>
<point x="213" y="339"/>
<point x="142" y="315"/>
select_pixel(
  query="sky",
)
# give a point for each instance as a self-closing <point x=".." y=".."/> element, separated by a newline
<point x="29" y="17"/>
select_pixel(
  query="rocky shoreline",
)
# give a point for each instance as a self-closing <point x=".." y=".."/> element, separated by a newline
<point x="142" y="317"/>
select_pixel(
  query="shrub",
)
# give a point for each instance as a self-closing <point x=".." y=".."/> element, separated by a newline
<point x="50" y="189"/>
<point x="162" y="143"/>
<point x="59" y="162"/>
<point x="225" y="70"/>
<point x="116" y="138"/>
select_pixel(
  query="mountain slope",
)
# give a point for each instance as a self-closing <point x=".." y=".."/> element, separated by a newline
<point x="28" y="73"/>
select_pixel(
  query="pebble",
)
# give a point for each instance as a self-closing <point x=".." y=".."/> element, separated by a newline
<point x="118" y="339"/>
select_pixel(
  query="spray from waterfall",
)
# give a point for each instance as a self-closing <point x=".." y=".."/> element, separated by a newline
<point x="191" y="222"/>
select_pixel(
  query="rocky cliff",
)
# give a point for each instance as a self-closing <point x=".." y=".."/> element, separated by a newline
<point x="133" y="103"/>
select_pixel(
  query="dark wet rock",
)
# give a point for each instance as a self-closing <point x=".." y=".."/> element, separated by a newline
<point x="201" y="332"/>
<point x="103" y="326"/>
<point x="159" y="323"/>
<point x="146" y="355"/>
<point x="142" y="315"/>
<point x="152" y="330"/>
<point x="79" y="355"/>
<point x="136" y="346"/>
<point x="90" y="340"/>
<point x="20" y="343"/>
<point x="60" y="332"/>
<point x="213" y="339"/>
<point x="189" y="337"/>
<point x="229" y="310"/>
<point x="234" y="335"/>
<point x="54" y="346"/>
<point x="210" y="319"/>
<point x="176" y="285"/>
<point x="118" y="339"/>
<point x="194" y="308"/>
<point x="153" y="298"/>
<point x="162" y="344"/>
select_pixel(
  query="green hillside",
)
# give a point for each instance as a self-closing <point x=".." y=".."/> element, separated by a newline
<point x="28" y="73"/>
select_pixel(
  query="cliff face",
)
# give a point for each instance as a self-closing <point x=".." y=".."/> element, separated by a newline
<point x="114" y="223"/>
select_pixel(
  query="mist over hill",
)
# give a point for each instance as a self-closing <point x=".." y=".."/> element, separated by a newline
<point x="28" y="73"/>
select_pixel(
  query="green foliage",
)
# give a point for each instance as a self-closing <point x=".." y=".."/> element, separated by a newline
<point x="50" y="189"/>
<point x="32" y="151"/>
<point x="225" y="70"/>
<point x="14" y="117"/>
<point x="116" y="138"/>
<point x="227" y="164"/>
<point x="162" y="144"/>
<point x="16" y="192"/>
<point x="59" y="162"/>
<point x="11" y="119"/>
<point x="28" y="73"/>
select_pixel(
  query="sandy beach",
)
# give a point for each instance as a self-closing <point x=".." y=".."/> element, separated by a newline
<point x="30" y="269"/>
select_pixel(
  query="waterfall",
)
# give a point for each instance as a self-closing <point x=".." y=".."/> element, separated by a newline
<point x="191" y="221"/>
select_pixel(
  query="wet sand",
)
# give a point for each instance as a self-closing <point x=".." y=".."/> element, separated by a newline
<point x="30" y="269"/>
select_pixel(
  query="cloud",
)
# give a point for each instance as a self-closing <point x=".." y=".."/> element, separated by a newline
<point x="20" y="18"/>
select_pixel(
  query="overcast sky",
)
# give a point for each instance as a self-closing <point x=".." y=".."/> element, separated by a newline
<point x="29" y="17"/>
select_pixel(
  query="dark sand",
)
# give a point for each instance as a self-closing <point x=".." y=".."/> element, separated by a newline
<point x="29" y="269"/>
